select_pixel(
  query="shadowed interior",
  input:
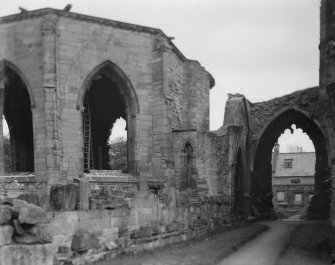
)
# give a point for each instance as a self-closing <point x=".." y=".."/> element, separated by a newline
<point x="103" y="106"/>
<point x="17" y="112"/>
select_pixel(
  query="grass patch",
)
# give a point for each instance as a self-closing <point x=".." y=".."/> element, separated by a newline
<point x="310" y="244"/>
<point x="208" y="249"/>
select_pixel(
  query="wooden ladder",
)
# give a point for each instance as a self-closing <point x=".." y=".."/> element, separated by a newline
<point x="88" y="154"/>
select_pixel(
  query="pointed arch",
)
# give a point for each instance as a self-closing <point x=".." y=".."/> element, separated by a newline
<point x="105" y="84"/>
<point x="261" y="164"/>
<point x="286" y="111"/>
<point x="188" y="166"/>
<point x="188" y="141"/>
<point x="282" y="120"/>
<point x="17" y="102"/>
<point x="5" y="64"/>
<point x="126" y="88"/>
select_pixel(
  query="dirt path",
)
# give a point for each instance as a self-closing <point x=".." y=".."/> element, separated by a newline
<point x="209" y="249"/>
<point x="265" y="249"/>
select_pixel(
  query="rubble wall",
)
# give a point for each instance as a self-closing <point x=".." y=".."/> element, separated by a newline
<point x="149" y="220"/>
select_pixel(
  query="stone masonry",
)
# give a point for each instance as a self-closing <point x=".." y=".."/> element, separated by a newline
<point x="163" y="91"/>
<point x="65" y="78"/>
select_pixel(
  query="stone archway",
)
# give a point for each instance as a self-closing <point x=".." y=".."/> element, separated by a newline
<point x="16" y="107"/>
<point x="106" y="95"/>
<point x="262" y="170"/>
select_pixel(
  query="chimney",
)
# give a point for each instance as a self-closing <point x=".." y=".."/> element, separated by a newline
<point x="275" y="155"/>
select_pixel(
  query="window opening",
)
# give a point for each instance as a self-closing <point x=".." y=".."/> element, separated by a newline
<point x="103" y="106"/>
<point x="288" y="163"/>
<point x="18" y="115"/>
<point x="188" y="168"/>
<point x="281" y="196"/>
<point x="295" y="181"/>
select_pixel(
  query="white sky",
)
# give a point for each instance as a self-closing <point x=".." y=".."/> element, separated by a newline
<point x="260" y="48"/>
<point x="290" y="142"/>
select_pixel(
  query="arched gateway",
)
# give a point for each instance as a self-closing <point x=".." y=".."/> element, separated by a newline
<point x="262" y="169"/>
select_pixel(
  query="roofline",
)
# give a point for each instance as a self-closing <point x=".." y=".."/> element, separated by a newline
<point x="293" y="176"/>
<point x="297" y="153"/>
<point x="107" y="22"/>
<point x="44" y="11"/>
<point x="103" y="21"/>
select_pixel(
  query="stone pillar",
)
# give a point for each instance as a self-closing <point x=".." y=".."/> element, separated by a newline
<point x="131" y="144"/>
<point x="51" y="104"/>
<point x="234" y="134"/>
<point x="327" y="46"/>
<point x="84" y="193"/>
<point x="2" y="154"/>
<point x="161" y="139"/>
<point x="327" y="84"/>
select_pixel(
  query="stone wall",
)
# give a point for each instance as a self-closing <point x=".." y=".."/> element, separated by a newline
<point x="235" y="131"/>
<point x="289" y="207"/>
<point x="268" y="120"/>
<point x="24" y="236"/>
<point x="148" y="220"/>
<point x="307" y="101"/>
<point x="164" y="92"/>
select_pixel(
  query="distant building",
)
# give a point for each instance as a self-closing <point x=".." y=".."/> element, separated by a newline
<point x="292" y="181"/>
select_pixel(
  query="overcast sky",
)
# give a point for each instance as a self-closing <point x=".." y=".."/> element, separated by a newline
<point x="260" y="48"/>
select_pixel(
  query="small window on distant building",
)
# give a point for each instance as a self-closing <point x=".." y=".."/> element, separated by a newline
<point x="280" y="195"/>
<point x="298" y="197"/>
<point x="295" y="181"/>
<point x="288" y="163"/>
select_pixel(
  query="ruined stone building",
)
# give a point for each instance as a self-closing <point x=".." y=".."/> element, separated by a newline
<point x="65" y="78"/>
<point x="292" y="181"/>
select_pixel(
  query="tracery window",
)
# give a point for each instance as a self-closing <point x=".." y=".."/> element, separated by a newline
<point x="188" y="172"/>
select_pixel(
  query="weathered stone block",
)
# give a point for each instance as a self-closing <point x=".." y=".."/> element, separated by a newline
<point x="173" y="226"/>
<point x="84" y="240"/>
<point x="17" y="227"/>
<point x="144" y="231"/>
<point x="26" y="239"/>
<point x="29" y="213"/>
<point x="63" y="197"/>
<point x="37" y="198"/>
<point x="40" y="232"/>
<point x="6" y="233"/>
<point x="110" y="245"/>
<point x="122" y="242"/>
<point x="6" y="201"/>
<point x="5" y="214"/>
<point x="84" y="193"/>
<point x="26" y="254"/>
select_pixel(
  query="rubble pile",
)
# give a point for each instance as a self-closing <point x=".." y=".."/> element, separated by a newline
<point x="22" y="223"/>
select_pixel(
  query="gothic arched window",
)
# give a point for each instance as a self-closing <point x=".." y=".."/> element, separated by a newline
<point x="188" y="172"/>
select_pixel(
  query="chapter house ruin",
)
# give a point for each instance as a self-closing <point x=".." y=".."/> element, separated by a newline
<point x="65" y="78"/>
